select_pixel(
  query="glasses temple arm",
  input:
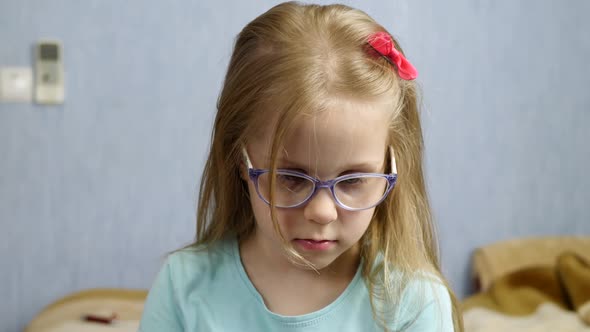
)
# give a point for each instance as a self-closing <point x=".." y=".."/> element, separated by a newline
<point x="392" y="156"/>
<point x="246" y="158"/>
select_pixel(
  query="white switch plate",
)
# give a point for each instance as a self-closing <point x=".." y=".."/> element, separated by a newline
<point x="49" y="72"/>
<point x="16" y="84"/>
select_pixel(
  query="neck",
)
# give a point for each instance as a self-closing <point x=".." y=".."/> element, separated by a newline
<point x="269" y="270"/>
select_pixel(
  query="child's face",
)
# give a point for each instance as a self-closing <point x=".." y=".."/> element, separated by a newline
<point x="348" y="138"/>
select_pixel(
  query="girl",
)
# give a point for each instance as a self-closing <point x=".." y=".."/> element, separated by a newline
<point x="312" y="213"/>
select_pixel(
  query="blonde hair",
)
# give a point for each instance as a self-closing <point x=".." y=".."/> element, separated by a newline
<point x="289" y="61"/>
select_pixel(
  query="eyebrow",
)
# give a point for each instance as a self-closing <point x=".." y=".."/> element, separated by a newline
<point x="392" y="162"/>
<point x="363" y="167"/>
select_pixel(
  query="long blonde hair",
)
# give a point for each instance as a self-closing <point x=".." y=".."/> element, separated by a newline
<point x="289" y="61"/>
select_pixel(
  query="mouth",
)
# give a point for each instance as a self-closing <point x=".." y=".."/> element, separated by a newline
<point x="315" y="244"/>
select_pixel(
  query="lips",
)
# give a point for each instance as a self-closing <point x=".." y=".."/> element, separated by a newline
<point x="315" y="245"/>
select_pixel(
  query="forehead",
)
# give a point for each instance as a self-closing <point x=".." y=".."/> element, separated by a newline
<point x="344" y="133"/>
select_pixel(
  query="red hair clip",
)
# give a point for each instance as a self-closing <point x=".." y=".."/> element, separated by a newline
<point x="383" y="44"/>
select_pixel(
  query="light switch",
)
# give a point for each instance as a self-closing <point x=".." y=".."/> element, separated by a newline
<point x="16" y="84"/>
<point x="49" y="73"/>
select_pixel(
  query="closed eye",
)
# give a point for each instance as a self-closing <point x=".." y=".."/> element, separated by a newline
<point x="353" y="181"/>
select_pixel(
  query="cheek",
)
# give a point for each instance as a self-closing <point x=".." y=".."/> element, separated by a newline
<point x="261" y="211"/>
<point x="287" y="218"/>
<point x="357" y="222"/>
<point x="260" y="208"/>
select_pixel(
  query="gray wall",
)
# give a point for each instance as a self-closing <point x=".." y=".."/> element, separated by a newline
<point x="94" y="192"/>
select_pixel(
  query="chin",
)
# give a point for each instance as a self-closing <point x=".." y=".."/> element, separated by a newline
<point x="319" y="263"/>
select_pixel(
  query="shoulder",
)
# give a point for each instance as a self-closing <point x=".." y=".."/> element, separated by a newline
<point x="417" y="288"/>
<point x="426" y="285"/>
<point x="185" y="274"/>
<point x="199" y="262"/>
<point x="416" y="300"/>
<point x="426" y="304"/>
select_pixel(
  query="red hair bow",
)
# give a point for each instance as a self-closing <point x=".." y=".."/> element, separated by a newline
<point x="382" y="43"/>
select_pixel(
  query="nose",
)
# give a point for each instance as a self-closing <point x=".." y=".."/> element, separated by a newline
<point x="321" y="208"/>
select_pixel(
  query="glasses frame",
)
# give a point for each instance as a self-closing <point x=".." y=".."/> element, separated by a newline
<point x="254" y="174"/>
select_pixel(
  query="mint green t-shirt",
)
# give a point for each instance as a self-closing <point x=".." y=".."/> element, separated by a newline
<point x="209" y="290"/>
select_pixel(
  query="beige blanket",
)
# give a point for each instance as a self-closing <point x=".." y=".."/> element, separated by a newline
<point x="535" y="299"/>
<point x="547" y="318"/>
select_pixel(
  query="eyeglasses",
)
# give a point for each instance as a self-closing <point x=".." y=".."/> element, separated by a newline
<point x="353" y="192"/>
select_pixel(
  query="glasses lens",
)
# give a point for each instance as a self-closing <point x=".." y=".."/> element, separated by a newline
<point x="361" y="192"/>
<point x="290" y="189"/>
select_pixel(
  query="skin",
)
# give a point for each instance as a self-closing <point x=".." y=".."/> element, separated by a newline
<point x="348" y="137"/>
